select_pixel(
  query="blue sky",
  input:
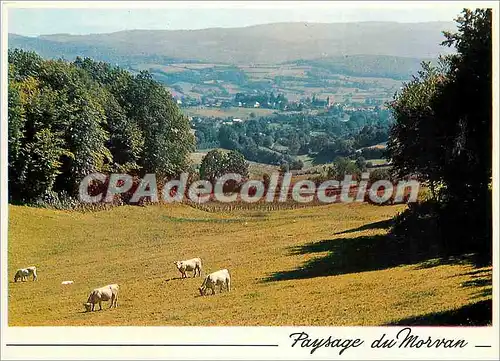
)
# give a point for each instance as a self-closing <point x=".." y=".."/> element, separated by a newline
<point x="36" y="21"/>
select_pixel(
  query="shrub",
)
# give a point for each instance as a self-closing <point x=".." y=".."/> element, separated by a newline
<point x="379" y="174"/>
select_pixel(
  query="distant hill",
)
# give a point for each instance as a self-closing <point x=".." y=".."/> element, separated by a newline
<point x="382" y="66"/>
<point x="70" y="50"/>
<point x="260" y="44"/>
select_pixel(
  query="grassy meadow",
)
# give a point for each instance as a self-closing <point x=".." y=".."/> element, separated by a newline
<point x="323" y="265"/>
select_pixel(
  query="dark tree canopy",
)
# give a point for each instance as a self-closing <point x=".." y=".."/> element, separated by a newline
<point x="217" y="163"/>
<point x="443" y="132"/>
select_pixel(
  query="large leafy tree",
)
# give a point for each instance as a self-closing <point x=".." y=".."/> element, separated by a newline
<point x="42" y="164"/>
<point x="466" y="107"/>
<point x="217" y="163"/>
<point x="168" y="140"/>
<point x="342" y="167"/>
<point x="213" y="165"/>
<point x="443" y="132"/>
<point x="236" y="163"/>
<point x="16" y="126"/>
<point x="415" y="145"/>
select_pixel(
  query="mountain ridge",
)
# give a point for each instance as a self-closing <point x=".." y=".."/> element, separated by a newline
<point x="263" y="44"/>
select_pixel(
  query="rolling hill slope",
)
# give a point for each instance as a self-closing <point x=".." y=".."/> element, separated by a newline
<point x="318" y="266"/>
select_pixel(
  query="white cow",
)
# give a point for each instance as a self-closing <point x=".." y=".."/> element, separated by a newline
<point x="23" y="274"/>
<point x="219" y="278"/>
<point x="106" y="293"/>
<point x="193" y="264"/>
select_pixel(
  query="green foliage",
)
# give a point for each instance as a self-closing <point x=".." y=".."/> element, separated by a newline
<point x="86" y="137"/>
<point x="296" y="164"/>
<point x="337" y="148"/>
<point x="415" y="145"/>
<point x="41" y="164"/>
<point x="217" y="163"/>
<point x="379" y="174"/>
<point x="281" y="137"/>
<point x="443" y="134"/>
<point x="16" y="124"/>
<point x="361" y="163"/>
<point x="67" y="120"/>
<point x="167" y="135"/>
<point x="236" y="163"/>
<point x="284" y="168"/>
<point x="28" y="64"/>
<point x="342" y="167"/>
<point x="470" y="118"/>
<point x="126" y="141"/>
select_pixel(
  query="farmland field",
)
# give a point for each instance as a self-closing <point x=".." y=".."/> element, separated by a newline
<point x="234" y="112"/>
<point x="323" y="265"/>
<point x="293" y="80"/>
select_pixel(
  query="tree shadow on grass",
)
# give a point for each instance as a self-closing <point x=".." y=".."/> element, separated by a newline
<point x="369" y="253"/>
<point x="385" y="224"/>
<point x="359" y="254"/>
<point x="448" y="260"/>
<point x="482" y="280"/>
<point x="476" y="314"/>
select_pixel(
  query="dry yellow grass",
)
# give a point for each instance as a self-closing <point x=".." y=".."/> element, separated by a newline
<point x="136" y="247"/>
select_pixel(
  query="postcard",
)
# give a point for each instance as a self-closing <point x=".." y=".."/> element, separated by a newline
<point x="249" y="180"/>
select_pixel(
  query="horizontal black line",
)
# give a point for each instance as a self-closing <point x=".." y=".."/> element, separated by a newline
<point x="482" y="346"/>
<point x="134" y="345"/>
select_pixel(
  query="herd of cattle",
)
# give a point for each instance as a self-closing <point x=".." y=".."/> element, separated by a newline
<point x="219" y="278"/>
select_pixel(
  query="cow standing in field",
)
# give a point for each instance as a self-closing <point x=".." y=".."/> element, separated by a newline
<point x="23" y="274"/>
<point x="220" y="278"/>
<point x="106" y="293"/>
<point x="193" y="264"/>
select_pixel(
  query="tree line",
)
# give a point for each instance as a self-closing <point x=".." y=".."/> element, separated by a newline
<point x="69" y="119"/>
<point x="443" y="135"/>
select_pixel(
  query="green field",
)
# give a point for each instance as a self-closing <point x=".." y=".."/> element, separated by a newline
<point x="323" y="265"/>
<point x="293" y="80"/>
<point x="233" y="112"/>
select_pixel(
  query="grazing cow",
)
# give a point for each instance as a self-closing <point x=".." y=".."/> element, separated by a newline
<point x="219" y="278"/>
<point x="23" y="274"/>
<point x="106" y="293"/>
<point x="193" y="264"/>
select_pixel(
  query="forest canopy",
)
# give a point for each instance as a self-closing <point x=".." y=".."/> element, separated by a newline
<point x="70" y="119"/>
